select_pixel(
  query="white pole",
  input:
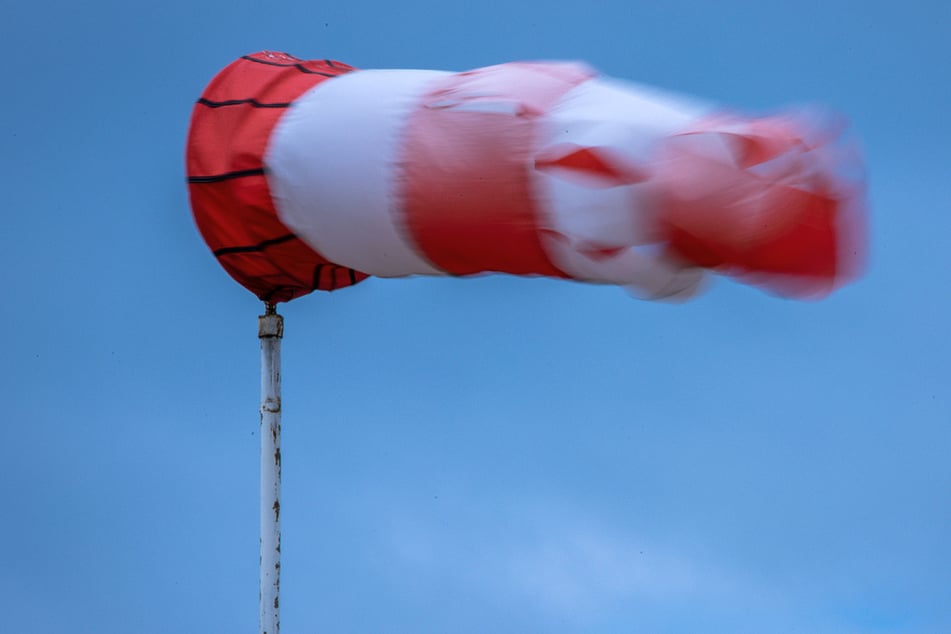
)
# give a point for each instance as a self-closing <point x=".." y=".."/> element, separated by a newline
<point x="270" y="332"/>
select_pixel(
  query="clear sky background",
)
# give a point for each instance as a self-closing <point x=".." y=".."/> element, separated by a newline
<point x="490" y="455"/>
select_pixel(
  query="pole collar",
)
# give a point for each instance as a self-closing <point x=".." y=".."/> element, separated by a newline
<point x="270" y="326"/>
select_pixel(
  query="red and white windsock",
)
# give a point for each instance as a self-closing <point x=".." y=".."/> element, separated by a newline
<point x="310" y="175"/>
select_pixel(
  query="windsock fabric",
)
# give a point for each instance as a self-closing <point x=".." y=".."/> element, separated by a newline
<point x="313" y="175"/>
<point x="230" y="196"/>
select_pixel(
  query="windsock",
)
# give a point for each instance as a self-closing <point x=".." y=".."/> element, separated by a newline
<point x="312" y="175"/>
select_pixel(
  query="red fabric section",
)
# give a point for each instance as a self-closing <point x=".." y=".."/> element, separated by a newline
<point x="467" y="161"/>
<point x="230" y="197"/>
<point x="773" y="214"/>
<point x="590" y="161"/>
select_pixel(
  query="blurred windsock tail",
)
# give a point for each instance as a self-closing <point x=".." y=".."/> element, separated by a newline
<point x="777" y="202"/>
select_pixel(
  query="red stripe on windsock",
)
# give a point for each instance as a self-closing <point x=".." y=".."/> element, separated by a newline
<point x="468" y="200"/>
<point x="230" y="195"/>
<point x="784" y="226"/>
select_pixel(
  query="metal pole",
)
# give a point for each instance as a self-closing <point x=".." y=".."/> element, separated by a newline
<point x="270" y="332"/>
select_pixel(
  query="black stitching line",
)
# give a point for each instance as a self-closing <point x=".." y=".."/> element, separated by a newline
<point x="215" y="178"/>
<point x="254" y="248"/>
<point x="238" y="102"/>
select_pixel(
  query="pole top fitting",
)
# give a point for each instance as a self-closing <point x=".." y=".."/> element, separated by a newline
<point x="270" y="324"/>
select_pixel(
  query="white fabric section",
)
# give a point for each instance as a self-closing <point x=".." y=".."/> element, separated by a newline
<point x="332" y="168"/>
<point x="643" y="274"/>
<point x="620" y="114"/>
<point x="626" y="120"/>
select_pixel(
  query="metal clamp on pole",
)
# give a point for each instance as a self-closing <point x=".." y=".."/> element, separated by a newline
<point x="270" y="332"/>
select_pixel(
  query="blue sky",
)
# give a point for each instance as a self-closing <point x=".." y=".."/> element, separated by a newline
<point x="489" y="455"/>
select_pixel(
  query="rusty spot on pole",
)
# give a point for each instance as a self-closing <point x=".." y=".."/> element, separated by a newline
<point x="271" y="406"/>
<point x="277" y="509"/>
